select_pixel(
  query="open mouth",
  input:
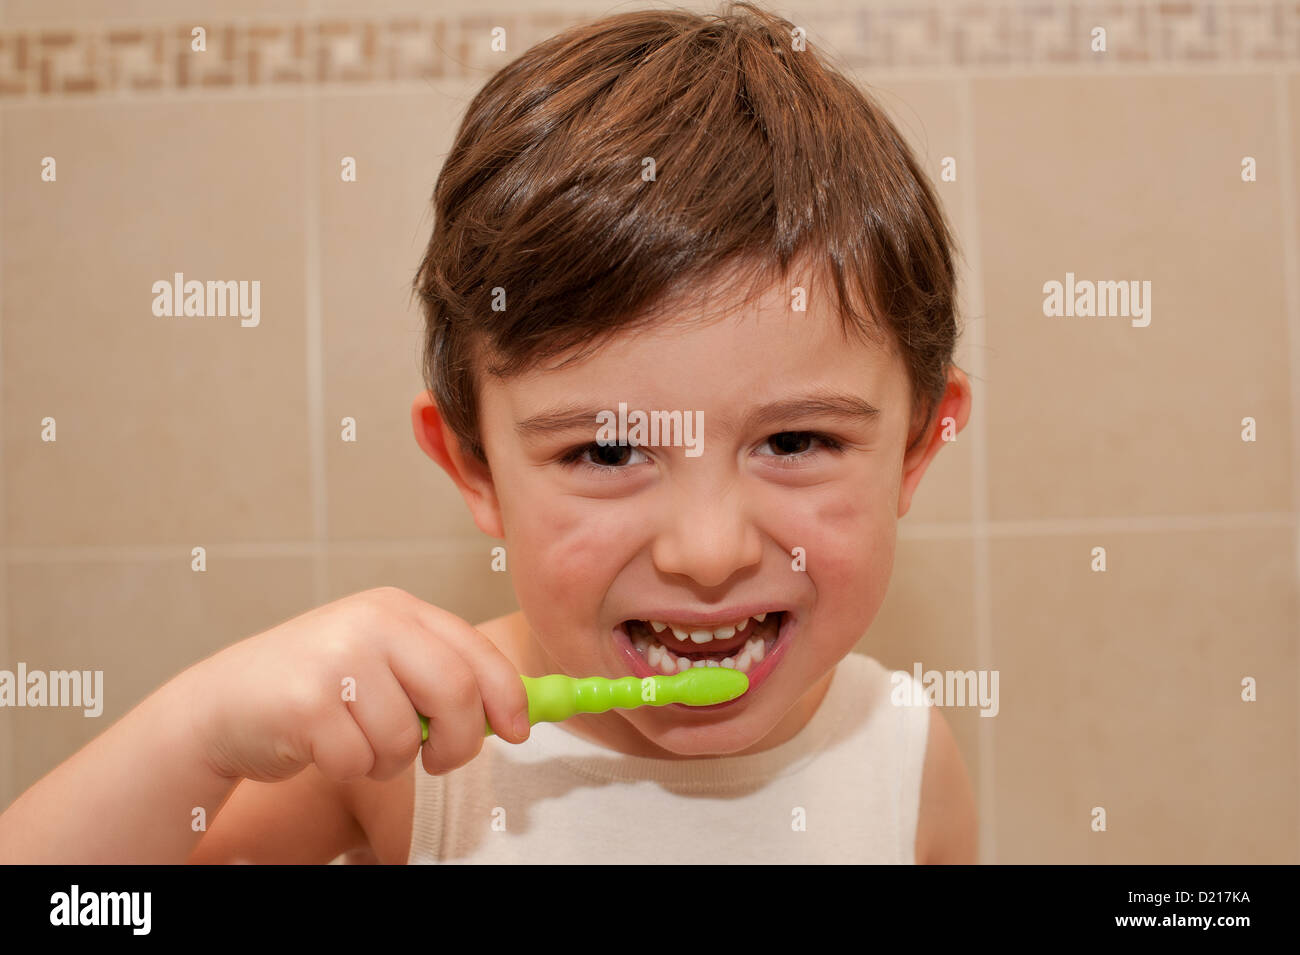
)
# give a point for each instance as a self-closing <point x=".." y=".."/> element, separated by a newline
<point x="742" y="645"/>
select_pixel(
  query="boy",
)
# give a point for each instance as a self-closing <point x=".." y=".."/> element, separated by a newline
<point x="685" y="216"/>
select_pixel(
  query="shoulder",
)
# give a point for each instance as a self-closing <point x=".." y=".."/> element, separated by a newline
<point x="946" y="828"/>
<point x="872" y="682"/>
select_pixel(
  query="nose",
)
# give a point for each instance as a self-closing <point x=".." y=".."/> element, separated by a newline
<point x="707" y="538"/>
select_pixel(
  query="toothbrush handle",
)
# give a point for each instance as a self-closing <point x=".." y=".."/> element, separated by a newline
<point x="556" y="697"/>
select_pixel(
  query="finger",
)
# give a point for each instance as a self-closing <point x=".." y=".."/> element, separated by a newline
<point x="338" y="746"/>
<point x="445" y="690"/>
<point x="388" y="719"/>
<point x="501" y="690"/>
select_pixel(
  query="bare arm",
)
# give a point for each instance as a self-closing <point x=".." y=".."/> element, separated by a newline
<point x="127" y="796"/>
<point x="947" y="825"/>
<point x="269" y="709"/>
<point x="301" y="821"/>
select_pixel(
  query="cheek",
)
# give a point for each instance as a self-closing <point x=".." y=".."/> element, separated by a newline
<point x="565" y="553"/>
<point x="849" y="540"/>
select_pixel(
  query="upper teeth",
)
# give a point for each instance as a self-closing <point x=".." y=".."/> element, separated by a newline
<point x="706" y="636"/>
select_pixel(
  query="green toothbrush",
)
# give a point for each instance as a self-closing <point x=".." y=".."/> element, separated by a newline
<point x="556" y="697"/>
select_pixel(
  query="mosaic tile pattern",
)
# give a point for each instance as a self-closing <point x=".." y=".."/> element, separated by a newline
<point x="101" y="59"/>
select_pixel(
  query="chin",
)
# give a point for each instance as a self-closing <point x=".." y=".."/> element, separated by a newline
<point x="715" y="737"/>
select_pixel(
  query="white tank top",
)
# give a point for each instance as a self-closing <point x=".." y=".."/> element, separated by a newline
<point x="845" y="789"/>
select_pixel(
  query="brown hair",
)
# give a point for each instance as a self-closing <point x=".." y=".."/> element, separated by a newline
<point x="763" y="154"/>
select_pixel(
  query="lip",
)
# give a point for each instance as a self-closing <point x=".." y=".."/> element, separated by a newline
<point x="641" y="669"/>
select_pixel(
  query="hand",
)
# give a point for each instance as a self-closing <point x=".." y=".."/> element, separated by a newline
<point x="342" y="686"/>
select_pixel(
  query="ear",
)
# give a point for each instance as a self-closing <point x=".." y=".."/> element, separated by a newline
<point x="956" y="405"/>
<point x="472" y="477"/>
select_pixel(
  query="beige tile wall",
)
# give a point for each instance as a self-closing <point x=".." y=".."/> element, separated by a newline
<point x="1122" y="688"/>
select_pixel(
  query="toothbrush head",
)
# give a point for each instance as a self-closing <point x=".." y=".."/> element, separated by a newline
<point x="702" y="686"/>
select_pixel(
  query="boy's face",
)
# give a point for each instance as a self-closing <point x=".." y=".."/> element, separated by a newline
<point x="767" y="517"/>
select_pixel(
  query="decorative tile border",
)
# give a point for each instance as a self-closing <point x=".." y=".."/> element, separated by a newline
<point x="288" y="53"/>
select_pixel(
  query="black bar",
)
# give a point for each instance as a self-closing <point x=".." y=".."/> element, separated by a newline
<point x="217" y="904"/>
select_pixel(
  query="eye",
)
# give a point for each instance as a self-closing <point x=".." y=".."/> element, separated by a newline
<point x="790" y="445"/>
<point x="608" y="457"/>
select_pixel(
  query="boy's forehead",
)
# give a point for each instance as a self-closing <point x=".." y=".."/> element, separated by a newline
<point x="711" y="328"/>
<point x="723" y="356"/>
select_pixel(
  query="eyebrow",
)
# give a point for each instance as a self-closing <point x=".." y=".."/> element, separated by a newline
<point x="821" y="404"/>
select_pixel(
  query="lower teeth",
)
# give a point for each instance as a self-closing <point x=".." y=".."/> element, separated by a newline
<point x="660" y="658"/>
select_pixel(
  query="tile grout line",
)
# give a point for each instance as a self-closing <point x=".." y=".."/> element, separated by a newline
<point x="426" y="546"/>
<point x="981" y="585"/>
<point x="1291" y="290"/>
<point x="315" y="332"/>
<point x="242" y="550"/>
<point x="8" y="738"/>
<point x="315" y="346"/>
<point x="1153" y="524"/>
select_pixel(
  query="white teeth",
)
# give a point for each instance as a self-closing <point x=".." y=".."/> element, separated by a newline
<point x="660" y="657"/>
<point x="705" y="636"/>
